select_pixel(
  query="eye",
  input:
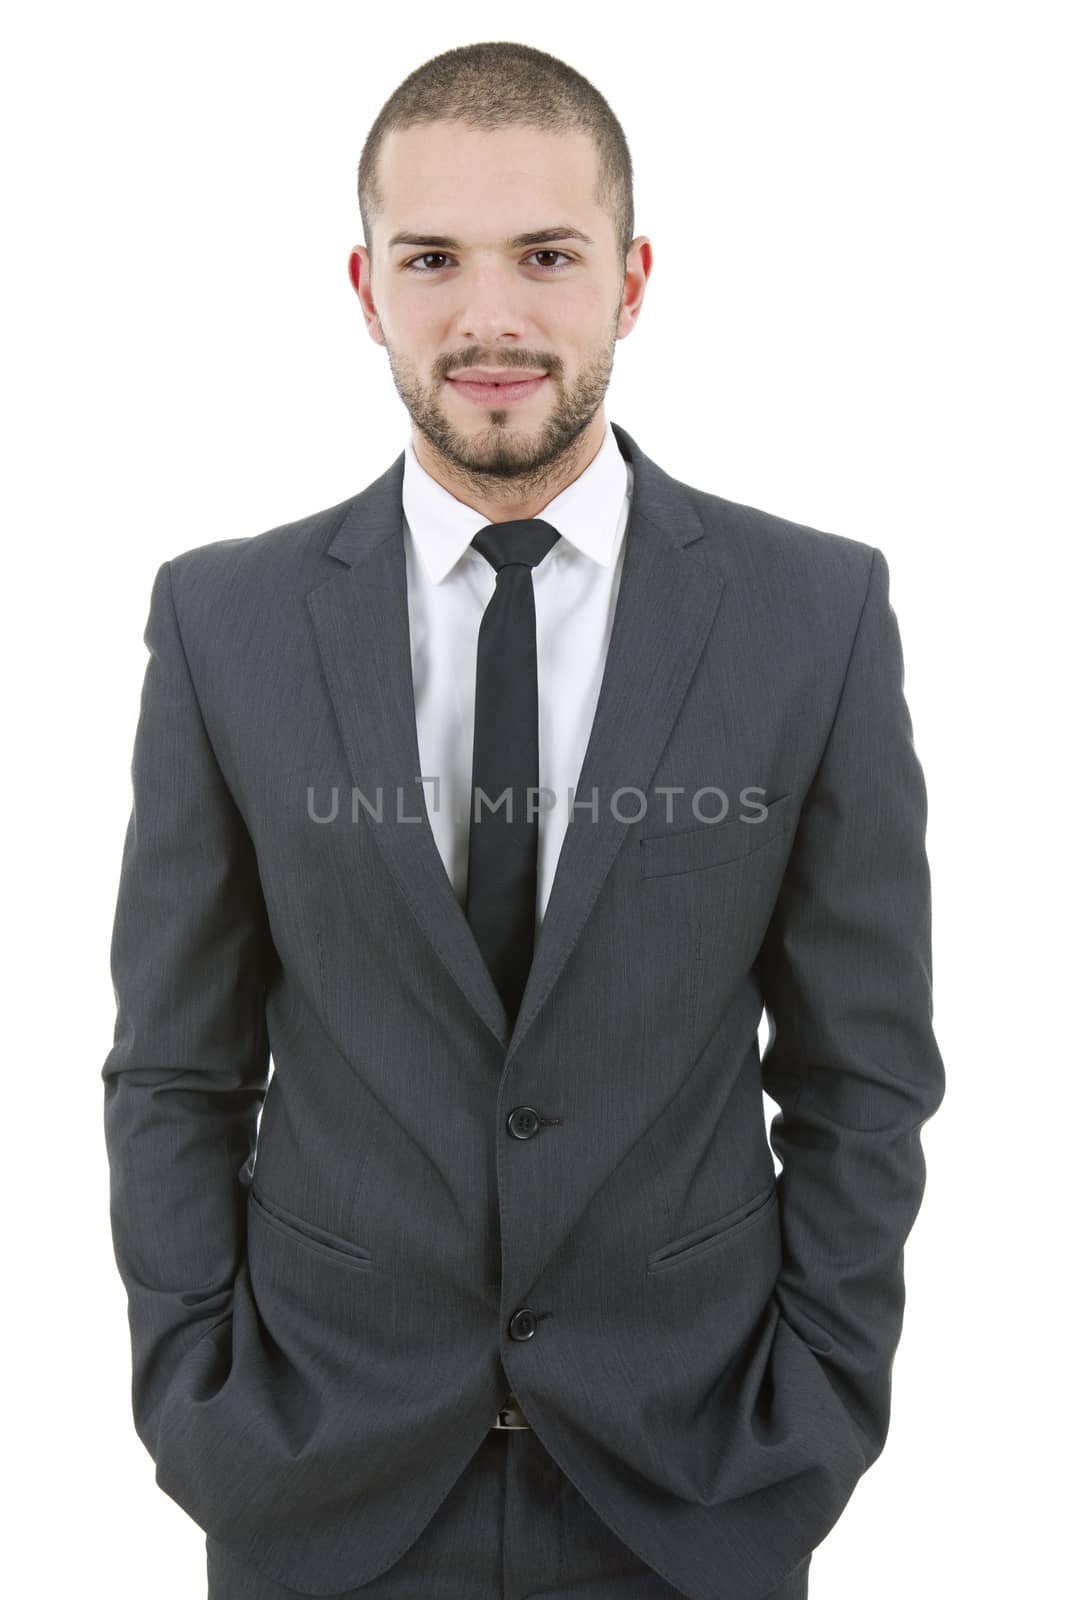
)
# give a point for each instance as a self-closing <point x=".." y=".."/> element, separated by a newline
<point x="437" y="255"/>
<point x="565" y="258"/>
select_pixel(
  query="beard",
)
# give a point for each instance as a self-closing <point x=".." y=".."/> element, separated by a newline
<point x="500" y="451"/>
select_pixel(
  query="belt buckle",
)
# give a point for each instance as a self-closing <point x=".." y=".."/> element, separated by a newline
<point x="511" y="1414"/>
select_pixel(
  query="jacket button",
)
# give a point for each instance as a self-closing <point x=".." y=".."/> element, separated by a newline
<point x="522" y="1324"/>
<point x="523" y="1122"/>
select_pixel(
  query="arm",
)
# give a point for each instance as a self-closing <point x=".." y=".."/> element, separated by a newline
<point x="186" y="1077"/>
<point x="845" y="971"/>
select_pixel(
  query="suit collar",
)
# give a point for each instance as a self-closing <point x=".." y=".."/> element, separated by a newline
<point x="669" y="593"/>
<point x="376" y="513"/>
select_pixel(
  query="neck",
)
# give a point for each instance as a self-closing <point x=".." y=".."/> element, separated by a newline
<point x="514" y="499"/>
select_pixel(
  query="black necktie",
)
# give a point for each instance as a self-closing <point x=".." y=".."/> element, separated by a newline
<point x="502" y="854"/>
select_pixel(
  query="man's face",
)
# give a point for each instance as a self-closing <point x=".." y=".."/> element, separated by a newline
<point x="550" y="307"/>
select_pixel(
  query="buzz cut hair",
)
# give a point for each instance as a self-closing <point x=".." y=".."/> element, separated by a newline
<point x="499" y="85"/>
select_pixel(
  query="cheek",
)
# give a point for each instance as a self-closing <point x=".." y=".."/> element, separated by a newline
<point x="583" y="311"/>
<point x="420" y="322"/>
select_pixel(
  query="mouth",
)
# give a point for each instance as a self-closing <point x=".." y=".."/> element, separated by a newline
<point x="483" y="393"/>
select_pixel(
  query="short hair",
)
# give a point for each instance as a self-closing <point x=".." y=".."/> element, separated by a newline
<point x="502" y="84"/>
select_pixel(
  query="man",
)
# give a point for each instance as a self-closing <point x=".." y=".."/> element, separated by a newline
<point x="495" y="804"/>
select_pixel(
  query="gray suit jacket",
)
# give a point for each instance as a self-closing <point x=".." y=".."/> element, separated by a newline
<point x="326" y="1311"/>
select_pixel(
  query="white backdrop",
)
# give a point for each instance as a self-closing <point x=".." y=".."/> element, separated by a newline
<point x="854" y="320"/>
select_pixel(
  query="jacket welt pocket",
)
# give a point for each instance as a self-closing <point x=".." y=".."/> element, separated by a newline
<point x="308" y="1233"/>
<point x="712" y="844"/>
<point x="708" y="1237"/>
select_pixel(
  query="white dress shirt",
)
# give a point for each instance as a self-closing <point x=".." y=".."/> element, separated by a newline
<point x="449" y="586"/>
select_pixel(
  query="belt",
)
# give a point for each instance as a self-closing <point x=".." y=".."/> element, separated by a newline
<point x="511" y="1414"/>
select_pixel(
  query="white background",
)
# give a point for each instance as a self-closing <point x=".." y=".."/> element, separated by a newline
<point x="854" y="320"/>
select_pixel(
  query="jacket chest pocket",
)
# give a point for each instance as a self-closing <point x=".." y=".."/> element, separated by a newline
<point x="713" y="844"/>
<point x="700" y="1241"/>
<point x="308" y="1234"/>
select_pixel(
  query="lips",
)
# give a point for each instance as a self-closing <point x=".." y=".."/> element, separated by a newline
<point x="482" y="391"/>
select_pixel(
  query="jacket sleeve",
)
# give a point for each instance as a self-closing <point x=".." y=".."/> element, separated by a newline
<point x="187" y="1073"/>
<point x="846" y="976"/>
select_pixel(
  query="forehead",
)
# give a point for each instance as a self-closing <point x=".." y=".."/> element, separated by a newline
<point x="451" y="177"/>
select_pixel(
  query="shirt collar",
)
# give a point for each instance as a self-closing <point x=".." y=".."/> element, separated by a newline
<point x="586" y="513"/>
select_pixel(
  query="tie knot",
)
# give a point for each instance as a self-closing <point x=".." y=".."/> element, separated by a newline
<point x="508" y="544"/>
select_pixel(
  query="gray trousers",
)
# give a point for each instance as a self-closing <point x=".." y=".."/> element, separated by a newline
<point x="512" y="1527"/>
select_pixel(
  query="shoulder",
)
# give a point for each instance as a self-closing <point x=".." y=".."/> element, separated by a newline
<point x="758" y="537"/>
<point x="806" y="575"/>
<point x="226" y="576"/>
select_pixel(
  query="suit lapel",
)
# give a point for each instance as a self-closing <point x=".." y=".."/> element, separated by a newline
<point x="669" y="594"/>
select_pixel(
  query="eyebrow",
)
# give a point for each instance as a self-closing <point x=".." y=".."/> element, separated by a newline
<point x="441" y="241"/>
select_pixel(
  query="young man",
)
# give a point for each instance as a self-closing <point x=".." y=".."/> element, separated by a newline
<point x="495" y="804"/>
